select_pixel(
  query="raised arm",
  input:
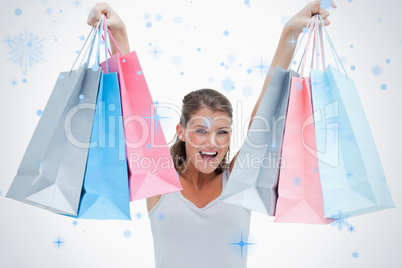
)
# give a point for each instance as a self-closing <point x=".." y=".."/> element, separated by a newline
<point x="285" y="50"/>
<point x="115" y="24"/>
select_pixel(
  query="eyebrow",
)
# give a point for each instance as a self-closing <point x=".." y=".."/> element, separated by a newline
<point x="207" y="127"/>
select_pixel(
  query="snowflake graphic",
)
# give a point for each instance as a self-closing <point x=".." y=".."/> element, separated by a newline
<point x="341" y="222"/>
<point x="176" y="60"/>
<point x="299" y="85"/>
<point x="247" y="91"/>
<point x="231" y="58"/>
<point x="77" y="3"/>
<point x="155" y="51"/>
<point x="26" y="49"/>
<point x="228" y="84"/>
<point x="297" y="181"/>
<point x="59" y="242"/>
<point x="14" y="82"/>
<point x="138" y="215"/>
<point x="376" y="70"/>
<point x="147" y="16"/>
<point x="351" y="228"/>
<point x="178" y="20"/>
<point x="161" y="216"/>
<point x="261" y="66"/>
<point x="241" y="244"/>
<point x="158" y="17"/>
<point x="156" y="118"/>
<point x="127" y="233"/>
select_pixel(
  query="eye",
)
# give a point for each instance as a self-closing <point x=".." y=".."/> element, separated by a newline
<point x="201" y="131"/>
<point x="222" y="132"/>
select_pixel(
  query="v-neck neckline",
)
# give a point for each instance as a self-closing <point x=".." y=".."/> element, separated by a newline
<point x="181" y="196"/>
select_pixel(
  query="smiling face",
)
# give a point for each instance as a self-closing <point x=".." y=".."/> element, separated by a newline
<point x="206" y="136"/>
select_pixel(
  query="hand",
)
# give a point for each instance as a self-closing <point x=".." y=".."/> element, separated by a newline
<point x="296" y="24"/>
<point x="114" y="23"/>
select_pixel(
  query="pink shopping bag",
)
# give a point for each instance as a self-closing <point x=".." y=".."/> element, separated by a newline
<point x="150" y="165"/>
<point x="299" y="189"/>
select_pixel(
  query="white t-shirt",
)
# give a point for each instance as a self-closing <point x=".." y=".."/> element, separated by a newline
<point x="191" y="237"/>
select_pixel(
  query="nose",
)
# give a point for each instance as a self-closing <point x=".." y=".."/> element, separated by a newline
<point x="211" y="141"/>
<point x="208" y="141"/>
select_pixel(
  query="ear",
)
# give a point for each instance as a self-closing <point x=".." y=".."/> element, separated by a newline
<point x="180" y="132"/>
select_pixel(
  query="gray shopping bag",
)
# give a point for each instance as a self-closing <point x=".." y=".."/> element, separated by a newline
<point x="51" y="172"/>
<point x="253" y="181"/>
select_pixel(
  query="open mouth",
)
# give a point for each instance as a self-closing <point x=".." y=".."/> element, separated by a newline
<point x="208" y="155"/>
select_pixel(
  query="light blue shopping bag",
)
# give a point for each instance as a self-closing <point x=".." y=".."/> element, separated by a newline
<point x="352" y="177"/>
<point x="105" y="189"/>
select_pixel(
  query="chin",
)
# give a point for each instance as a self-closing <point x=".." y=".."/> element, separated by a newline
<point x="206" y="167"/>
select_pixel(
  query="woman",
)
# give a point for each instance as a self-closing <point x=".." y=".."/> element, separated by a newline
<point x="192" y="228"/>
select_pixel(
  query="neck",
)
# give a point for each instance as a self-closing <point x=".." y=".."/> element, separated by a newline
<point x="193" y="175"/>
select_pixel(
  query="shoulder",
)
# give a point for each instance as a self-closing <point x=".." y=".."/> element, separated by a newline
<point x="152" y="201"/>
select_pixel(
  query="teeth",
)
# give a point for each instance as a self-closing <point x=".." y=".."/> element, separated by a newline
<point x="208" y="153"/>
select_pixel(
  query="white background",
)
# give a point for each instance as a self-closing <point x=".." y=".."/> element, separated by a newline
<point x="179" y="28"/>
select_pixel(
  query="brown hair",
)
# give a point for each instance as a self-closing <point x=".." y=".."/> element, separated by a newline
<point x="192" y="103"/>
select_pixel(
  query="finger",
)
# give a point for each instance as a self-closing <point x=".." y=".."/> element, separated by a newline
<point x="323" y="12"/>
<point x="92" y="18"/>
<point x="333" y="4"/>
<point x="326" y="22"/>
<point x="97" y="12"/>
<point x="314" y="6"/>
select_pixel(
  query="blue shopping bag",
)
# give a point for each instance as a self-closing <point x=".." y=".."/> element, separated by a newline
<point x="352" y="177"/>
<point x="105" y="188"/>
